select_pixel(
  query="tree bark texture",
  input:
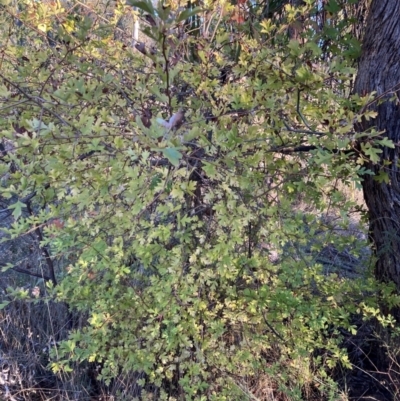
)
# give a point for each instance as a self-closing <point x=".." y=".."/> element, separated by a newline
<point x="379" y="70"/>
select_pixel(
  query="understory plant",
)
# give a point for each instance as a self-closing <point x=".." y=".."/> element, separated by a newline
<point x="187" y="189"/>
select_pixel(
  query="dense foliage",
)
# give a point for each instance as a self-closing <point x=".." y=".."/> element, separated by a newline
<point x="187" y="188"/>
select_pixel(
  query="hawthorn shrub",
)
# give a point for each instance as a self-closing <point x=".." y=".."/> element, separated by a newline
<point x="180" y="191"/>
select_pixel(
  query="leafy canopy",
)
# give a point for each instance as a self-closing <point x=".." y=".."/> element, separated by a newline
<point x="193" y="248"/>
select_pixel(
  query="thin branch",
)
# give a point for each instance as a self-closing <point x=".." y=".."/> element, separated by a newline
<point x="33" y="274"/>
<point x="271" y="328"/>
<point x="302" y="131"/>
<point x="14" y="104"/>
<point x="167" y="89"/>
<point x="299" y="112"/>
<point x="39" y="103"/>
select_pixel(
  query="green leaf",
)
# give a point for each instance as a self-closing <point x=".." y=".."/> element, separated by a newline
<point x="371" y="152"/>
<point x="314" y="48"/>
<point x="303" y="74"/>
<point x="161" y="96"/>
<point x="143" y="5"/>
<point x="163" y="11"/>
<point x="184" y="15"/>
<point x="294" y="47"/>
<point x="173" y="155"/>
<point x="8" y="266"/>
<point x="17" y="209"/>
<point x="386" y="142"/>
<point x="4" y="304"/>
<point x="332" y="6"/>
<point x="4" y="92"/>
<point x="382" y="177"/>
<point x="152" y="34"/>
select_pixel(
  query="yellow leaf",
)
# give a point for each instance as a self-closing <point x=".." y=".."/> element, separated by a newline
<point x="42" y="27"/>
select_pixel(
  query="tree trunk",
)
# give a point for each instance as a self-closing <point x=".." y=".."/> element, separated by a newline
<point x="379" y="70"/>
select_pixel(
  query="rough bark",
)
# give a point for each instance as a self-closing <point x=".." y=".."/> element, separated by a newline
<point x="379" y="70"/>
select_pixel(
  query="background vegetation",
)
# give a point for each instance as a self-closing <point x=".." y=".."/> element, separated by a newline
<point x="181" y="216"/>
